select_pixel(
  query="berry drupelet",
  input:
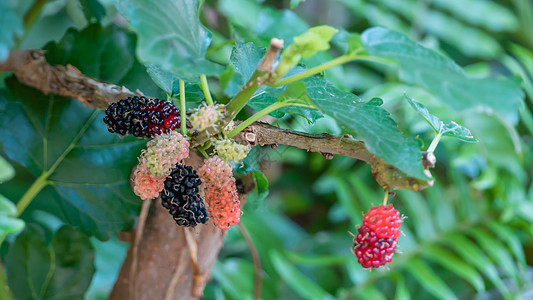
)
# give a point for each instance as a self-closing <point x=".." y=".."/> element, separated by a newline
<point x="180" y="196"/>
<point x="377" y="238"/>
<point x="142" y="117"/>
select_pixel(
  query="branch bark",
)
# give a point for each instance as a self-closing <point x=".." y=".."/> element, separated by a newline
<point x="30" y="67"/>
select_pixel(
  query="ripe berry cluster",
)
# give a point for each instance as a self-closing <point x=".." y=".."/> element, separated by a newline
<point x="180" y="196"/>
<point x="220" y="192"/>
<point x="141" y="116"/>
<point x="377" y="238"/>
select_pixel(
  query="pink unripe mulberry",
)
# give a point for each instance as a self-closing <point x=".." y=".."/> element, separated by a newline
<point x="220" y="192"/>
<point x="146" y="185"/>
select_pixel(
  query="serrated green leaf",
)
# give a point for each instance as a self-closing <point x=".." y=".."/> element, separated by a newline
<point x="37" y="270"/>
<point x="369" y="120"/>
<point x="429" y="280"/>
<point x="11" y="24"/>
<point x="471" y="253"/>
<point x="450" y="129"/>
<point x="243" y="61"/>
<point x="93" y="10"/>
<point x="296" y="280"/>
<point x="6" y="170"/>
<point x="455" y="265"/>
<point x="89" y="167"/>
<point x="170" y="35"/>
<point x="304" y="46"/>
<point x="442" y="77"/>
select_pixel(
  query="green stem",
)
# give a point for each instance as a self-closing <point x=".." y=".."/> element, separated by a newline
<point x="34" y="189"/>
<point x="203" y="152"/>
<point x="33" y="13"/>
<point x="183" y="115"/>
<point x="330" y="64"/>
<point x="5" y="292"/>
<point x="434" y="143"/>
<point x="240" y="100"/>
<point x="261" y="113"/>
<point x="386" y="197"/>
<point x="205" y="89"/>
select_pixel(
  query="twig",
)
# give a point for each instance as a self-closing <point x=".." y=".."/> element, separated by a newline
<point x="255" y="259"/>
<point x="198" y="277"/>
<point x="31" y="68"/>
<point x="136" y="242"/>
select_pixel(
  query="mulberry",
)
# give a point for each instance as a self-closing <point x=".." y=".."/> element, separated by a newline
<point x="231" y="151"/>
<point x="146" y="185"/>
<point x="220" y="192"/>
<point x="180" y="196"/>
<point x="206" y="116"/>
<point x="371" y="250"/>
<point x="142" y="117"/>
<point x="164" y="152"/>
<point x="377" y="238"/>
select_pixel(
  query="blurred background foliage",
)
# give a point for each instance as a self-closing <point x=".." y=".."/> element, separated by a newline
<point x="467" y="237"/>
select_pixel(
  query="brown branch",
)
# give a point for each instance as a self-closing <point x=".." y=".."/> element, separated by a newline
<point x="31" y="68"/>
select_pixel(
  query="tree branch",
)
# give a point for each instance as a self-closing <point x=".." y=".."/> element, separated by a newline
<point x="30" y="67"/>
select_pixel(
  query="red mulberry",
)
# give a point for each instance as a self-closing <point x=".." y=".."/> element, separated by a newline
<point x="142" y="117"/>
<point x="220" y="192"/>
<point x="377" y="238"/>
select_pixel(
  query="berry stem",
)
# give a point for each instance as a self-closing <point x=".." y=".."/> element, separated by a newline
<point x="262" y="113"/>
<point x="205" y="89"/>
<point x="330" y="64"/>
<point x="203" y="152"/>
<point x="386" y="197"/>
<point x="183" y="115"/>
<point x="434" y="143"/>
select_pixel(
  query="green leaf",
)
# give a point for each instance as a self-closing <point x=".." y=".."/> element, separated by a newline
<point x="455" y="265"/>
<point x="304" y="46"/>
<point x="261" y="184"/>
<point x="243" y="61"/>
<point x="510" y="238"/>
<point x="93" y="10"/>
<point x="429" y="280"/>
<point x="6" y="170"/>
<point x="471" y="253"/>
<point x="348" y="201"/>
<point x="170" y="84"/>
<point x="402" y="292"/>
<point x="450" y="129"/>
<point x="170" y="35"/>
<point x="37" y="270"/>
<point x="294" y="3"/>
<point x="318" y="260"/>
<point x="7" y="223"/>
<point x="296" y="280"/>
<point x="88" y="167"/>
<point x="374" y="124"/>
<point x="496" y="251"/>
<point x="489" y="14"/>
<point x="11" y="24"/>
<point x="442" y="77"/>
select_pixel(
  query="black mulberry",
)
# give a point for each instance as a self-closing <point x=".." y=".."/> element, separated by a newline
<point x="141" y="116"/>
<point x="180" y="196"/>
